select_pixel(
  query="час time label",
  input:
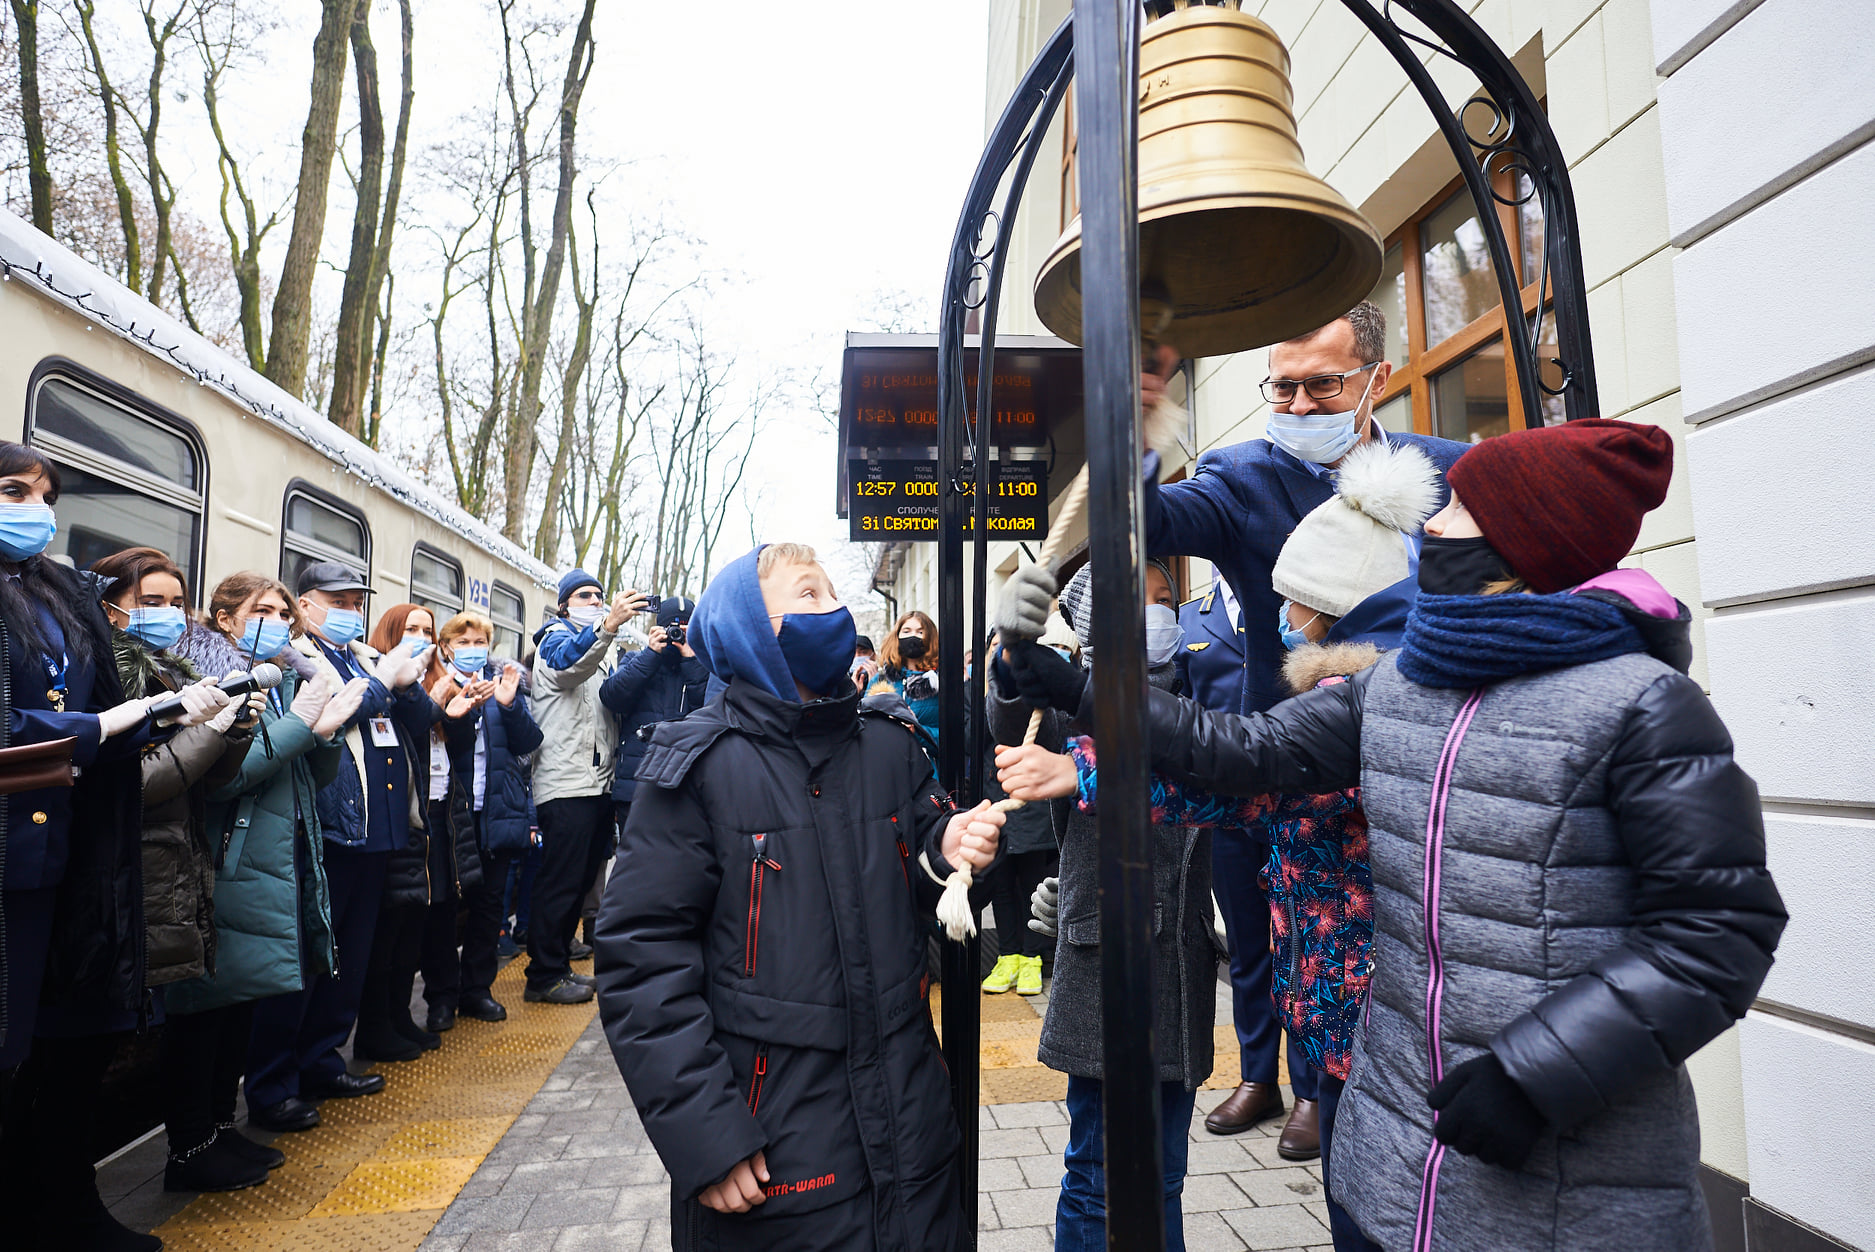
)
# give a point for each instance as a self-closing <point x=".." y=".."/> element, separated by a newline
<point x="898" y="500"/>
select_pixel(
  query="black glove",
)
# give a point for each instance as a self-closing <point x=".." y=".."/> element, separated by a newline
<point x="1484" y="1113"/>
<point x="1044" y="678"/>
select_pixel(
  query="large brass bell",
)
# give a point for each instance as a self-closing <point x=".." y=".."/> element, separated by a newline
<point x="1245" y="244"/>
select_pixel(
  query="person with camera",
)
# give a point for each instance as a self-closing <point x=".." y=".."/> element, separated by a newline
<point x="660" y="683"/>
<point x="573" y="773"/>
<point x="908" y="668"/>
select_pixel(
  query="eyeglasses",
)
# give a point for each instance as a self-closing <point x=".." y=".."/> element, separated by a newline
<point x="1320" y="387"/>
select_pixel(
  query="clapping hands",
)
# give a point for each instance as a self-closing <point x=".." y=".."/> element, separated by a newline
<point x="341" y="708"/>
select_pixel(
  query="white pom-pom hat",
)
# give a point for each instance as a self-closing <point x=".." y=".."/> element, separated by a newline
<point x="1353" y="545"/>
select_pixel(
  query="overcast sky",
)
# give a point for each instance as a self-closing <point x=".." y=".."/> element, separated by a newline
<point x="818" y="152"/>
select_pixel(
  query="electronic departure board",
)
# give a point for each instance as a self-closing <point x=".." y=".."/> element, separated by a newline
<point x="889" y="488"/>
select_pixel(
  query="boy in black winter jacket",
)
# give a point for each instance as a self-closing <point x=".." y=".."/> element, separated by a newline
<point x="761" y="946"/>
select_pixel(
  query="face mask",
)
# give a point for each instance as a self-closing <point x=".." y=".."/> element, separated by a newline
<point x="911" y="647"/>
<point x="1293" y="636"/>
<point x="25" y="530"/>
<point x="418" y="645"/>
<point x="1063" y="653"/>
<point x="1458" y="567"/>
<point x="1163" y="635"/>
<point x="264" y="637"/>
<point x="158" y="627"/>
<point x="587" y="615"/>
<point x="817" y="647"/>
<point x="1323" y="438"/>
<point x="342" y="626"/>
<point x="469" y="660"/>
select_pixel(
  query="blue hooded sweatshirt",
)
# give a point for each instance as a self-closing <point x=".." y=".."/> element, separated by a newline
<point x="730" y="631"/>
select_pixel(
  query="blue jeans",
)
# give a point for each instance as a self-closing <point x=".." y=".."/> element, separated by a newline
<point x="1347" y="1235"/>
<point x="517" y="888"/>
<point x="1081" y="1212"/>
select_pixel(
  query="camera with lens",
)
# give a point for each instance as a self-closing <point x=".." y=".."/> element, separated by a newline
<point x="675" y="634"/>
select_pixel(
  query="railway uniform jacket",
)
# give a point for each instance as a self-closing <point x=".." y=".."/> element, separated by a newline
<point x="273" y="915"/>
<point x="1569" y="871"/>
<point x="761" y="967"/>
<point x="644" y="690"/>
<point x="1236" y="510"/>
<point x="581" y="735"/>
<point x="343" y="804"/>
<point x="178" y="855"/>
<point x="507" y="810"/>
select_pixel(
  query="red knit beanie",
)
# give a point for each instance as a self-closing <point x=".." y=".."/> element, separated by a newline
<point x="1562" y="504"/>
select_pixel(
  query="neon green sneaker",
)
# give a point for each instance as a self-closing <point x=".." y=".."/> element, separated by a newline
<point x="1003" y="977"/>
<point x="1029" y="976"/>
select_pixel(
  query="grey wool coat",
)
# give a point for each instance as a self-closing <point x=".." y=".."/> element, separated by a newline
<point x="1568" y="872"/>
<point x="1185" y="959"/>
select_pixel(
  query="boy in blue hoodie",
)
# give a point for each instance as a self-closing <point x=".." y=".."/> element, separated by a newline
<point x="761" y="945"/>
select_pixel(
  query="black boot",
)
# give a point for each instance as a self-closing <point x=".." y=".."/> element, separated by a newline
<point x="238" y="1143"/>
<point x="212" y="1166"/>
<point x="406" y="1028"/>
<point x="91" y="1228"/>
<point x="380" y="1042"/>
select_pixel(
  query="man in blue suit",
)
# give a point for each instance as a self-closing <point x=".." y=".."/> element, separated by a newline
<point x="1235" y="511"/>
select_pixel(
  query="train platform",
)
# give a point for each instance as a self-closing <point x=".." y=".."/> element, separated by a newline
<point x="520" y="1135"/>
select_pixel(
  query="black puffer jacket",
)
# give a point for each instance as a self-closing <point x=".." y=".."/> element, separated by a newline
<point x="1569" y="873"/>
<point x="761" y="967"/>
<point x="648" y="687"/>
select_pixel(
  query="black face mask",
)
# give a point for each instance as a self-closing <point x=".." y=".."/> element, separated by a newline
<point x="911" y="647"/>
<point x="1458" y="567"/>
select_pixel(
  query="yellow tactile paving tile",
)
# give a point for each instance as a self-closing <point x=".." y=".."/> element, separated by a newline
<point x="378" y="1172"/>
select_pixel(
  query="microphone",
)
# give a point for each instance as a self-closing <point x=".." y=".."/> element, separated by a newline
<point x="264" y="677"/>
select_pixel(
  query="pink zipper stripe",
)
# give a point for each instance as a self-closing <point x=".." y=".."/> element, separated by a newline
<point x="1431" y="888"/>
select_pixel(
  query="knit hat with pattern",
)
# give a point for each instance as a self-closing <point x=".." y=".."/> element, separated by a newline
<point x="1350" y="547"/>
<point x="1562" y="504"/>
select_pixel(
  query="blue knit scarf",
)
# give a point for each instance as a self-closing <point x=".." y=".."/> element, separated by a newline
<point x="1468" y="641"/>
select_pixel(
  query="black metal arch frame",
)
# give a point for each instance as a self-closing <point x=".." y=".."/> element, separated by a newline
<point x="1515" y="139"/>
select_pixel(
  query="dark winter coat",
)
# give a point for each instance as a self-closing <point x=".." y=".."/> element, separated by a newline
<point x="507" y="811"/>
<point x="1184" y="956"/>
<point x="178" y="856"/>
<point x="761" y="966"/>
<point x="343" y="805"/>
<point x="644" y="690"/>
<point x="270" y="904"/>
<point x="1590" y="903"/>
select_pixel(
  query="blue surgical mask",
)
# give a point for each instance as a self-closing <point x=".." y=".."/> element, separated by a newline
<point x="418" y="644"/>
<point x="25" y="530"/>
<point x="1323" y="438"/>
<point x="469" y="660"/>
<point x="1293" y="636"/>
<point x="264" y="637"/>
<point x="342" y="627"/>
<point x="818" y="647"/>
<point x="158" y="627"/>
<point x="1163" y="635"/>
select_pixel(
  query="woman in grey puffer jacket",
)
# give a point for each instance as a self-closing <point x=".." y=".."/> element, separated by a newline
<point x="1570" y="887"/>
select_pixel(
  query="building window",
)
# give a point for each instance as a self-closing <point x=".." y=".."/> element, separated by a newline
<point x="509" y="612"/>
<point x="130" y="479"/>
<point x="436" y="583"/>
<point x="319" y="528"/>
<point x="1452" y="376"/>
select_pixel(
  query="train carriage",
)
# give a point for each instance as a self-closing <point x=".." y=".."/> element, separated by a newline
<point x="164" y="439"/>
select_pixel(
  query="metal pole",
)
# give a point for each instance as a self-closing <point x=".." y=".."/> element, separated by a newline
<point x="1106" y="38"/>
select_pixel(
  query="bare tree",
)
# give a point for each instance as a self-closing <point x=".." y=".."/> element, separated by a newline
<point x="39" y="174"/>
<point x="292" y="301"/>
<point x="216" y="47"/>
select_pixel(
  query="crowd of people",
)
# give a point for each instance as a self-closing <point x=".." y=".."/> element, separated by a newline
<point x="264" y="873"/>
<point x="1478" y="844"/>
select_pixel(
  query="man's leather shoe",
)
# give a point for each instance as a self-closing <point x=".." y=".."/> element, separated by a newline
<point x="342" y="1087"/>
<point x="385" y="1045"/>
<point x="579" y="952"/>
<point x="588" y="979"/>
<point x="565" y="991"/>
<point x="1251" y="1103"/>
<point x="1302" y="1135"/>
<point x="291" y="1113"/>
<point x="484" y="1009"/>
<point x="442" y="1017"/>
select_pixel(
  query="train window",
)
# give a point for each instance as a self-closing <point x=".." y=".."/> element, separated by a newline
<point x="318" y="530"/>
<point x="509" y="612"/>
<point x="129" y="479"/>
<point x="436" y="583"/>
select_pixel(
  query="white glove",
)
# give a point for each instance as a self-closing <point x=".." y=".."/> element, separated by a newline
<point x="1044" y="907"/>
<point x="1023" y="605"/>
<point x="397" y="668"/>
<point x="246" y="709"/>
<point x="201" y="702"/>
<point x="126" y="716"/>
<point x="340" y="709"/>
<point x="311" y="698"/>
